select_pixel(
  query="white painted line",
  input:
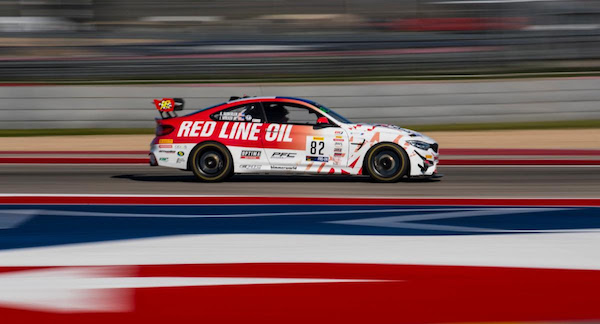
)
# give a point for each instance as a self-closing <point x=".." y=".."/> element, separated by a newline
<point x="482" y="211"/>
<point x="402" y="221"/>
<point x="546" y="250"/>
<point x="8" y="219"/>
<point x="103" y="289"/>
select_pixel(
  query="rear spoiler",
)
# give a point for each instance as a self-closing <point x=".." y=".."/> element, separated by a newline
<point x="168" y="106"/>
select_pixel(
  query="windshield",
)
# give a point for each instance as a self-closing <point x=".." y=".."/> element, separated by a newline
<point x="333" y="114"/>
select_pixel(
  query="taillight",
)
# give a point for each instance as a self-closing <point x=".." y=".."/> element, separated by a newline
<point x="162" y="130"/>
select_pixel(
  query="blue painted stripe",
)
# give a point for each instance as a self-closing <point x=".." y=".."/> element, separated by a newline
<point x="58" y="224"/>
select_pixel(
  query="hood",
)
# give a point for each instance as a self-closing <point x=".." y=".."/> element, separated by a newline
<point x="396" y="129"/>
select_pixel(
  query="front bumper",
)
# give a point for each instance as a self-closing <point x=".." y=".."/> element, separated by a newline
<point x="423" y="162"/>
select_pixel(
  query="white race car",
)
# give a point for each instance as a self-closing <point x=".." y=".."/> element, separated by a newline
<point x="285" y="135"/>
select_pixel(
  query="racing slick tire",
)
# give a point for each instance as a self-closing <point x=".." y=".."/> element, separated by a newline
<point x="387" y="162"/>
<point x="211" y="162"/>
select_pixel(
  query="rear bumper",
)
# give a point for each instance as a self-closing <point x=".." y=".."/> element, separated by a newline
<point x="153" y="161"/>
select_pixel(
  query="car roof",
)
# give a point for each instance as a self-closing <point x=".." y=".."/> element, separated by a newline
<point x="264" y="98"/>
<point x="250" y="98"/>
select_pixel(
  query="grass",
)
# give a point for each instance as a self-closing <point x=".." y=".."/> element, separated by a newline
<point x="569" y="124"/>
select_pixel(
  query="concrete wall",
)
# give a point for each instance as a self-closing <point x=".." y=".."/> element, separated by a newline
<point x="398" y="102"/>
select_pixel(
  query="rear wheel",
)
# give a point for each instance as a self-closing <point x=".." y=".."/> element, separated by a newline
<point x="211" y="162"/>
<point x="387" y="162"/>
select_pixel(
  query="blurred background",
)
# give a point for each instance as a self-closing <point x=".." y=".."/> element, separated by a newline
<point x="61" y="40"/>
<point x="150" y="44"/>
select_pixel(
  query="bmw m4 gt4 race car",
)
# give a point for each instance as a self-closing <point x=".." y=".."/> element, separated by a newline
<point x="285" y="135"/>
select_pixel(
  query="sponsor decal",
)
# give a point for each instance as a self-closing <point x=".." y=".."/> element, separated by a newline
<point x="165" y="146"/>
<point x="235" y="131"/>
<point x="166" y="151"/>
<point x="339" y="132"/>
<point x="233" y="116"/>
<point x="180" y="160"/>
<point x="165" y="141"/>
<point x="196" y="128"/>
<point x="252" y="155"/>
<point x="338" y="154"/>
<point x="164" y="159"/>
<point x="338" y="139"/>
<point x="337" y="150"/>
<point x="339" y="144"/>
<point x="166" y="104"/>
<point x="240" y="131"/>
<point x="250" y="166"/>
<point x="278" y="133"/>
<point x="180" y="153"/>
<point x="317" y="158"/>
<point x="283" y="155"/>
<point x="283" y="167"/>
<point x="180" y="147"/>
<point x="318" y="138"/>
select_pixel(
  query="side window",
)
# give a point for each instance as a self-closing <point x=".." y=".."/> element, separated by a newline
<point x="251" y="112"/>
<point x="289" y="113"/>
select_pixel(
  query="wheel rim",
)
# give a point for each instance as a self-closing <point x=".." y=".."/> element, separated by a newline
<point x="386" y="163"/>
<point x="211" y="163"/>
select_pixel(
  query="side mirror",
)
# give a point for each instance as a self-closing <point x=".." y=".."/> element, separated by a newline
<point x="322" y="120"/>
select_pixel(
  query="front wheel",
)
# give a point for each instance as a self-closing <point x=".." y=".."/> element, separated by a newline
<point x="387" y="163"/>
<point x="211" y="162"/>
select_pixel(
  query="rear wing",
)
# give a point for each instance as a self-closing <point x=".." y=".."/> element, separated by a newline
<point x="168" y="106"/>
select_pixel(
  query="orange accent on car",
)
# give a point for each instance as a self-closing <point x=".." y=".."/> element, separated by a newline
<point x="321" y="167"/>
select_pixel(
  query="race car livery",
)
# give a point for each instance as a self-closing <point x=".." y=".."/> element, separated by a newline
<point x="286" y="135"/>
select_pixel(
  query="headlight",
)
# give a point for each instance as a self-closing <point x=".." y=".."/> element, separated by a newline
<point x="420" y="145"/>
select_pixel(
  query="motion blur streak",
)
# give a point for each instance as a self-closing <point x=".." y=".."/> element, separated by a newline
<point x="231" y="39"/>
<point x="81" y="259"/>
<point x="394" y="293"/>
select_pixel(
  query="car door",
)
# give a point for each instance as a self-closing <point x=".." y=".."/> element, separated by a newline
<point x="293" y="140"/>
<point x="240" y="128"/>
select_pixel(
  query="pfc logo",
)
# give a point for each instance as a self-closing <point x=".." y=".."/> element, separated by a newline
<point x="283" y="155"/>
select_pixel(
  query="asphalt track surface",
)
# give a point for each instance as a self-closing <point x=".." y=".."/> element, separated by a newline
<point x="469" y="181"/>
